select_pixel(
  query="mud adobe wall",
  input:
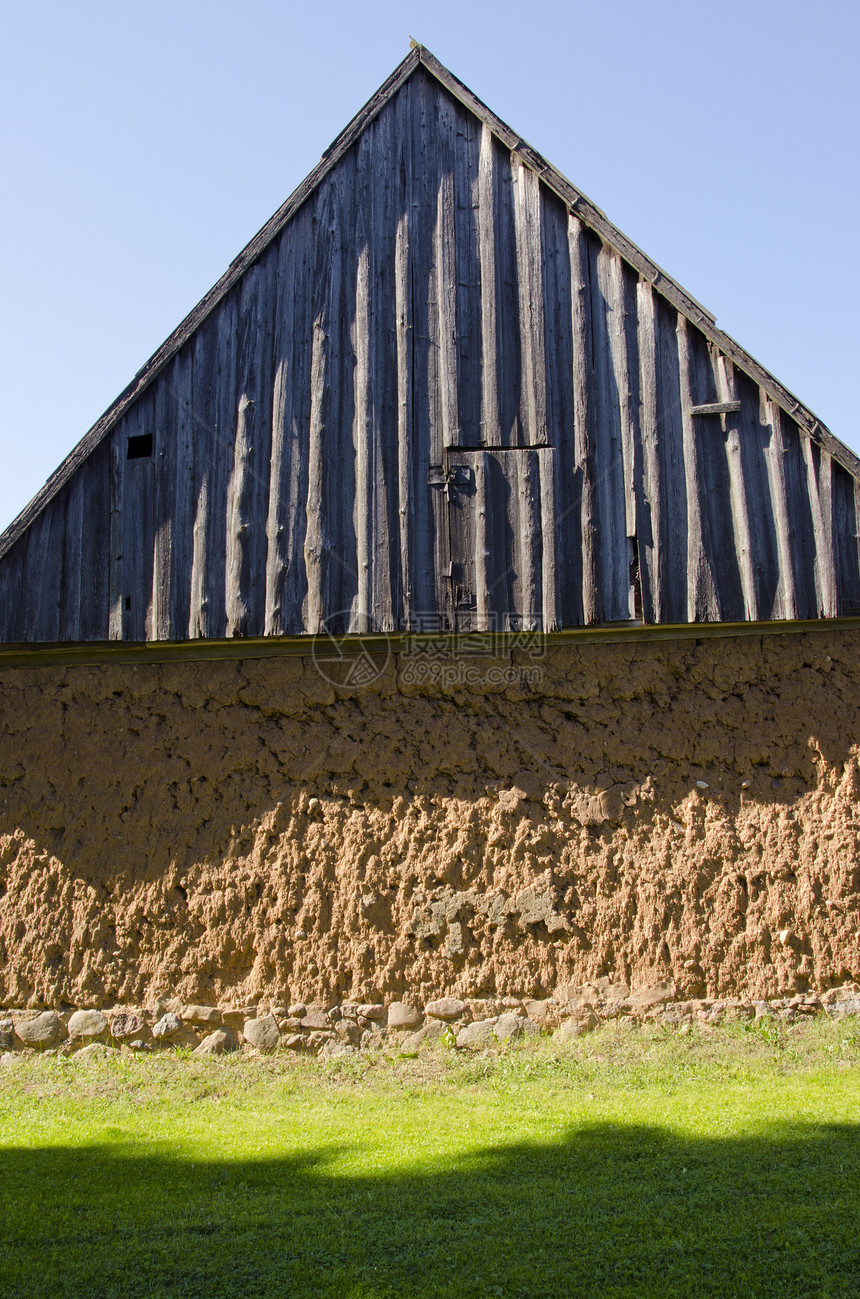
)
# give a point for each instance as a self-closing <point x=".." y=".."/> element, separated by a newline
<point x="241" y="830"/>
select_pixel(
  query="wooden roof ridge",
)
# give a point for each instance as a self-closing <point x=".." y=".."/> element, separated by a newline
<point x="574" y="199"/>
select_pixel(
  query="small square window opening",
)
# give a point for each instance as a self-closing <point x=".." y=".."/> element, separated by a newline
<point x="139" y="447"/>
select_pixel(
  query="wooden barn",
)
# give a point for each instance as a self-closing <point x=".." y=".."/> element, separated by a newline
<point x="438" y="394"/>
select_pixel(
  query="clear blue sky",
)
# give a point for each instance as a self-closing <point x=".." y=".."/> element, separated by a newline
<point x="143" y="144"/>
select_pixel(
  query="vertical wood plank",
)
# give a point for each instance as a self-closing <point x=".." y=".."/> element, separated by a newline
<point x="491" y="433"/>
<point x="286" y="579"/>
<point x="138" y="521"/>
<point x="94" y="598"/>
<point x="405" y="490"/>
<point x="95" y="563"/>
<point x="756" y="436"/>
<point x="43" y="574"/>
<point x="73" y="547"/>
<point x="374" y="382"/>
<point x="426" y="511"/>
<point x="314" y="536"/>
<point x="649" y="513"/>
<point x="727" y="391"/>
<point x="527" y="605"/>
<point x="247" y="496"/>
<point x="702" y="603"/>
<point x="671" y="441"/>
<point x="785" y="605"/>
<point x="714" y="487"/>
<point x="388" y="203"/>
<point x="330" y="541"/>
<point x="217" y="453"/>
<point x="508" y="336"/>
<point x="547" y="536"/>
<point x="363" y="436"/>
<point x="165" y="437"/>
<point x="851" y="602"/>
<point x="485" y="619"/>
<point x="583" y="416"/>
<point x="341" y="571"/>
<point x="818" y="471"/>
<point x="619" y="312"/>
<point x="612" y="550"/>
<point x="444" y="329"/>
<point x="431" y="505"/>
<point x="116" y="592"/>
<point x="12" y="597"/>
<point x="846" y="540"/>
<point x="527" y="236"/>
<point x="466" y="149"/>
<point x="623" y="347"/>
<point x="801" y="529"/>
<point x="563" y="606"/>
<point x="828" y="565"/>
<point x="206" y="449"/>
<point x="183" y="496"/>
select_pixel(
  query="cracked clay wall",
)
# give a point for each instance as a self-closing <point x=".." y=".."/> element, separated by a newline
<point x="232" y="829"/>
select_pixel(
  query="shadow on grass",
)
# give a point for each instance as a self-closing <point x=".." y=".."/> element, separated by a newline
<point x="604" y="1211"/>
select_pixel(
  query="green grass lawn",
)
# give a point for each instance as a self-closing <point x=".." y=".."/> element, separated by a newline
<point x="637" y="1162"/>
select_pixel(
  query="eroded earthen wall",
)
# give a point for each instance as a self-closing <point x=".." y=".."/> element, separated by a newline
<point x="219" y="830"/>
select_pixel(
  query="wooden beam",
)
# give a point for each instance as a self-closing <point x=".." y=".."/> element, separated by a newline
<point x="716" y="408"/>
<point x="487" y="643"/>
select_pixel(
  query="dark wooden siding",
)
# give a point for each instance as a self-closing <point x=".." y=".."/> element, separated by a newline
<point x="438" y="398"/>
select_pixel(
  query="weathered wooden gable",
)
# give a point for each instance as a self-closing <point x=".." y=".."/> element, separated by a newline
<point x="438" y="390"/>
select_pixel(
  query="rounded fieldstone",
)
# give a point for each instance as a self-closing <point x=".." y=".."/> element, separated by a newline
<point x="295" y="1042"/>
<point x="513" y="1026"/>
<point x="41" y="1031"/>
<point x="845" y="1006"/>
<point x="537" y="1010"/>
<point x="376" y="1011"/>
<point x="262" y="1033"/>
<point x="7" y="1058"/>
<point x="572" y="1028"/>
<point x="95" y="1051"/>
<point x="401" y="1015"/>
<point x="348" y="1031"/>
<point x="217" y="1043"/>
<point x="332" y="1050"/>
<point x="87" y="1023"/>
<point x="446" y="1008"/>
<point x="168" y="1026"/>
<point x="431" y="1032"/>
<point x="126" y="1024"/>
<point x="7" y="1040"/>
<point x="316" y="1019"/>
<point x="480" y="1033"/>
<point x="200" y="1015"/>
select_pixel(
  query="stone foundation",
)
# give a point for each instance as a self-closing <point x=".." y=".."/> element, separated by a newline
<point x="245" y="832"/>
<point x="349" y="1028"/>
